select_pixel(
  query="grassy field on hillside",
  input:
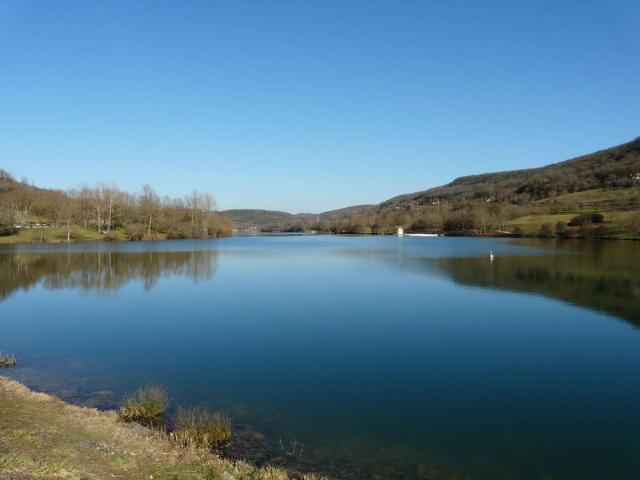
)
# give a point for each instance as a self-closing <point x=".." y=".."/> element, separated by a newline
<point x="616" y="223"/>
<point x="597" y="199"/>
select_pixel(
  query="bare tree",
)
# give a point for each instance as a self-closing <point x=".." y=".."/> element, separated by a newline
<point x="98" y="205"/>
<point x="108" y="194"/>
<point x="191" y="202"/>
<point x="68" y="211"/>
<point x="149" y="204"/>
<point x="206" y="205"/>
<point x="21" y="201"/>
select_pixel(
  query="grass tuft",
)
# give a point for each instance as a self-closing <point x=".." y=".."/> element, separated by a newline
<point x="194" y="426"/>
<point x="6" y="462"/>
<point x="271" y="473"/>
<point x="146" y="405"/>
<point x="7" y="360"/>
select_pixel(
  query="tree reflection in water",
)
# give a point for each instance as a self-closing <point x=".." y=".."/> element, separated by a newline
<point x="100" y="271"/>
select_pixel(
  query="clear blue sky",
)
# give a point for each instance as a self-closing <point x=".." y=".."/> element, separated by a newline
<point x="309" y="106"/>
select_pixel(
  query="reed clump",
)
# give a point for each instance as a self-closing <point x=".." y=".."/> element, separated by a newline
<point x="146" y="405"/>
<point x="198" y="427"/>
<point x="7" y="360"/>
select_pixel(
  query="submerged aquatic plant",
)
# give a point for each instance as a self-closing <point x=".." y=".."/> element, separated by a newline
<point x="7" y="360"/>
<point x="146" y="405"/>
<point x="195" y="426"/>
<point x="292" y="447"/>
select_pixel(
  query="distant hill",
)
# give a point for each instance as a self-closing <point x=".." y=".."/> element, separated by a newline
<point x="608" y="168"/>
<point x="355" y="210"/>
<point x="276" y="220"/>
<point x="246" y="218"/>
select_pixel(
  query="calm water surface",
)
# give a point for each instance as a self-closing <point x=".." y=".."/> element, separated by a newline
<point x="364" y="357"/>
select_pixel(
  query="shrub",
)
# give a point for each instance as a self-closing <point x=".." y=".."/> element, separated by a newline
<point x="194" y="426"/>
<point x="546" y="230"/>
<point x="7" y="360"/>
<point x="146" y="405"/>
<point x="581" y="219"/>
<point x="517" y="232"/>
<point x="110" y="237"/>
<point x="586" y="230"/>
<point x="135" y="231"/>
<point x="179" y="232"/>
<point x="6" y="231"/>
<point x="419" y="225"/>
<point x="601" y="231"/>
<point x="175" y="235"/>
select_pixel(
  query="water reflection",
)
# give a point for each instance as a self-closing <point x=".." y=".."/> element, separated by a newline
<point x="367" y="349"/>
<point x="100" y="271"/>
<point x="602" y="276"/>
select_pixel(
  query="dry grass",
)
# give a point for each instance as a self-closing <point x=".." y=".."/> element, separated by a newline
<point x="194" y="426"/>
<point x="146" y="405"/>
<point x="42" y="437"/>
<point x="58" y="235"/>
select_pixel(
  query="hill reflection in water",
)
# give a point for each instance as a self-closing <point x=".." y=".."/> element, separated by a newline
<point x="601" y="276"/>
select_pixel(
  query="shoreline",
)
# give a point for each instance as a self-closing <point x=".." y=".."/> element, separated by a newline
<point x="94" y="241"/>
<point x="6" y="244"/>
<point x="42" y="436"/>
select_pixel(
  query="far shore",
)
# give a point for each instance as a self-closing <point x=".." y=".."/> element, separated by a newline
<point x="16" y="240"/>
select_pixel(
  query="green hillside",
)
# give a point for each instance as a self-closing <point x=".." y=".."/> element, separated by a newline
<point x="606" y="169"/>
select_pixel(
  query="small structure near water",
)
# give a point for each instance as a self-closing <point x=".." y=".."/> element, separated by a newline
<point x="401" y="233"/>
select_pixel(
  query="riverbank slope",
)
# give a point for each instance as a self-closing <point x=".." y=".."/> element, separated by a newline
<point x="44" y="437"/>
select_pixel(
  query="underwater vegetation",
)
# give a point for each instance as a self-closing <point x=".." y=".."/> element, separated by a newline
<point x="7" y="360"/>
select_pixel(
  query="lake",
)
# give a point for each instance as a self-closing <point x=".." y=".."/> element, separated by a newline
<point x="360" y="357"/>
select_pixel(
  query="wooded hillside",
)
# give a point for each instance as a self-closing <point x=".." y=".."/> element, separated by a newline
<point x="610" y="168"/>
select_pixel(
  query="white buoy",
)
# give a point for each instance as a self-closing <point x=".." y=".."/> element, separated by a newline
<point x="491" y="255"/>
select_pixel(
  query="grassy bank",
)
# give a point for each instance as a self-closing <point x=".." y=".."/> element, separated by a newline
<point x="59" y="235"/>
<point x="79" y="234"/>
<point x="44" y="437"/>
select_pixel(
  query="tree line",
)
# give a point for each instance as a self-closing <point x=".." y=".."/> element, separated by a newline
<point x="106" y="209"/>
<point x="476" y="218"/>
